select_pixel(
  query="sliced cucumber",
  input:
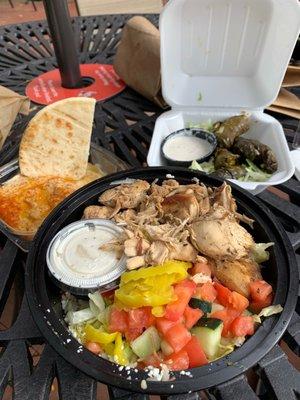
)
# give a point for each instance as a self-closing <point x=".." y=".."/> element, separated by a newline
<point x="205" y="306"/>
<point x="209" y="335"/>
<point x="146" y="344"/>
<point x="166" y="348"/>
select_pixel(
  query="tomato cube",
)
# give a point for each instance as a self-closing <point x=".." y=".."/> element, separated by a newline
<point x="163" y="325"/>
<point x="195" y="353"/>
<point x="260" y="290"/>
<point x="183" y="292"/>
<point x="178" y="336"/>
<point x="257" y="306"/>
<point x="206" y="292"/>
<point x="192" y="316"/>
<point x="238" y="301"/>
<point x="223" y="294"/>
<point x="177" y="361"/>
<point x="118" y="320"/>
<point x="242" y="326"/>
<point x="227" y="316"/>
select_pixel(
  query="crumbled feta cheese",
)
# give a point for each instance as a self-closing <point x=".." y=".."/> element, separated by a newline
<point x="201" y="278"/>
<point x="121" y="367"/>
<point x="143" y="384"/>
<point x="171" y="386"/>
<point x="68" y="340"/>
<point x="48" y="310"/>
<point x="170" y="176"/>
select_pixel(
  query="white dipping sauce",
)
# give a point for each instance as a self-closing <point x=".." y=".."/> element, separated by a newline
<point x="186" y="148"/>
<point x="82" y="253"/>
<point x="75" y="256"/>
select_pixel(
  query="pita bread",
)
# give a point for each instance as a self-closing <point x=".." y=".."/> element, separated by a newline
<point x="57" y="140"/>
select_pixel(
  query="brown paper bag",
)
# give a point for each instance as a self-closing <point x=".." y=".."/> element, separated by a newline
<point x="11" y="104"/>
<point x="292" y="77"/>
<point x="137" y="60"/>
<point x="286" y="103"/>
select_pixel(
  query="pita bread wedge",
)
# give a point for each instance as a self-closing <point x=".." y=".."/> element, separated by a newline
<point x="57" y="140"/>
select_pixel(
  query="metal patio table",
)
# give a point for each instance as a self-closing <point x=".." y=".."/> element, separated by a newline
<point x="123" y="124"/>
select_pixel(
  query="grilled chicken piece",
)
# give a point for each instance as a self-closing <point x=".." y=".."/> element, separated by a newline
<point x="182" y="206"/>
<point x="223" y="196"/>
<point x="135" y="247"/>
<point x="135" y="262"/>
<point x="158" y="253"/>
<point x="125" y="217"/>
<point x="97" y="212"/>
<point x="219" y="236"/>
<point x="237" y="274"/>
<point x="183" y="252"/>
<point x="125" y="196"/>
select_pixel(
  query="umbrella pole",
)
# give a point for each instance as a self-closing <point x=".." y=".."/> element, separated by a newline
<point x="62" y="35"/>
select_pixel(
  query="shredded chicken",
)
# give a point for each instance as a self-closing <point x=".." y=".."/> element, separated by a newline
<point x="125" y="196"/>
<point x="97" y="212"/>
<point x="191" y="223"/>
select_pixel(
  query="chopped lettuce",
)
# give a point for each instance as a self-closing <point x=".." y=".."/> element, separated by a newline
<point x="259" y="253"/>
<point x="207" y="125"/>
<point x="267" y="312"/>
<point x="207" y="167"/>
<point x="227" y="345"/>
<point x="80" y="316"/>
<point x="254" y="173"/>
<point x="96" y="303"/>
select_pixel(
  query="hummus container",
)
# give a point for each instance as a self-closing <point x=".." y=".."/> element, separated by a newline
<point x="99" y="156"/>
<point x="76" y="260"/>
<point x="220" y="58"/>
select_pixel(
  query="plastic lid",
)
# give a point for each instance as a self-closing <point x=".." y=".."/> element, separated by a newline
<point x="226" y="53"/>
<point x="75" y="258"/>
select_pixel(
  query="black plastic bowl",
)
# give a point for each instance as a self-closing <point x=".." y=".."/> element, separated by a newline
<point x="44" y="298"/>
<point x="191" y="132"/>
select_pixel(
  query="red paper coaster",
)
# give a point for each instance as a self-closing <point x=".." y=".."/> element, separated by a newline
<point x="46" y="88"/>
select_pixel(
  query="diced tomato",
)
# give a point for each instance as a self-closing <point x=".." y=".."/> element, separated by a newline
<point x="93" y="347"/>
<point x="260" y="290"/>
<point x="154" y="359"/>
<point x="163" y="325"/>
<point x="206" y="292"/>
<point x="201" y="268"/>
<point x="238" y="301"/>
<point x="178" y="336"/>
<point x="191" y="316"/>
<point x="227" y="316"/>
<point x="242" y="326"/>
<point x="177" y="361"/>
<point x="183" y="291"/>
<point x="138" y="319"/>
<point x="223" y="294"/>
<point x="195" y="353"/>
<point x="118" y="320"/>
<point x="257" y="306"/>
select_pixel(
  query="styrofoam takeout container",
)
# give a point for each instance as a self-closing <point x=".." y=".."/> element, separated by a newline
<point x="220" y="58"/>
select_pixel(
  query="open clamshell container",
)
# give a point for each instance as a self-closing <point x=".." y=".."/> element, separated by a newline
<point x="99" y="156"/>
<point x="220" y="58"/>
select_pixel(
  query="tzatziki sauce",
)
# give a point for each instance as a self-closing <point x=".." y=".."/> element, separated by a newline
<point x="76" y="258"/>
<point x="186" y="148"/>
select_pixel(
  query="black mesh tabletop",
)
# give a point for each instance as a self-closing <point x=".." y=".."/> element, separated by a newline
<point x="123" y="124"/>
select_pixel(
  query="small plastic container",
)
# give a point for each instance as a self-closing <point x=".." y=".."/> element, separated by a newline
<point x="220" y="58"/>
<point x="77" y="264"/>
<point x="107" y="162"/>
<point x="208" y="137"/>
